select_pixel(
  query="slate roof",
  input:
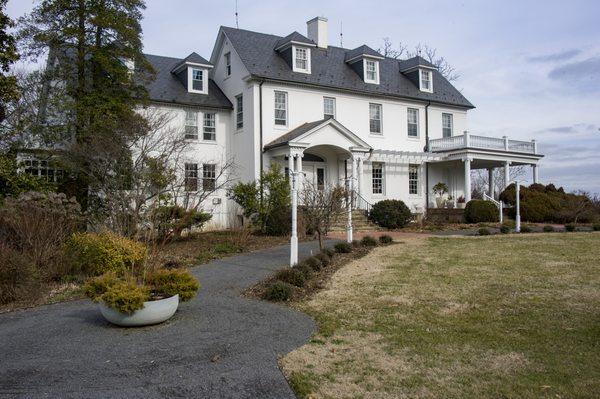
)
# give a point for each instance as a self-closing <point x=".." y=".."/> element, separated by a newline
<point x="329" y="69"/>
<point x="294" y="37"/>
<point x="196" y="59"/>
<point x="415" y="62"/>
<point x="294" y="133"/>
<point x="167" y="88"/>
<point x="364" y="49"/>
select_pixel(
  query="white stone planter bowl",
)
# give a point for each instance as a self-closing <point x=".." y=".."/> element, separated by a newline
<point x="153" y="312"/>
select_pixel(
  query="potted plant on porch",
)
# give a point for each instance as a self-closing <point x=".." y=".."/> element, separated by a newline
<point x="461" y="202"/>
<point x="440" y="189"/>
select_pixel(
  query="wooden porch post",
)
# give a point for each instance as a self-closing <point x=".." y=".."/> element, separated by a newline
<point x="467" y="162"/>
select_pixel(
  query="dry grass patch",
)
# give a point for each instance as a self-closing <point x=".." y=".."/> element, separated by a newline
<point x="502" y="316"/>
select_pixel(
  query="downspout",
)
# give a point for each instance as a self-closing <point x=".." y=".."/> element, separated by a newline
<point x="260" y="128"/>
<point x="427" y="151"/>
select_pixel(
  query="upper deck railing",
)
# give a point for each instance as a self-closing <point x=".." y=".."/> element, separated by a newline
<point x="468" y="140"/>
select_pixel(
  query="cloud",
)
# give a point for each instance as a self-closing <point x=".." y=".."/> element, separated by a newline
<point x="560" y="56"/>
<point x="582" y="75"/>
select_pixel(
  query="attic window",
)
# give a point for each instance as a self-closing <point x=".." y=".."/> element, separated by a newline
<point x="371" y="71"/>
<point x="197" y="80"/>
<point x="301" y="59"/>
<point x="425" y="82"/>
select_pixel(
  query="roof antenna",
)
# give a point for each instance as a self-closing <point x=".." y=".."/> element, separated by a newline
<point x="237" y="25"/>
<point x="341" y="35"/>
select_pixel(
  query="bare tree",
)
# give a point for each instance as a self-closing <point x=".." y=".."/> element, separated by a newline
<point x="402" y="51"/>
<point x="321" y="207"/>
<point x="480" y="180"/>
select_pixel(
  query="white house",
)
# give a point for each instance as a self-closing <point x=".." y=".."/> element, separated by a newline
<point x="395" y="127"/>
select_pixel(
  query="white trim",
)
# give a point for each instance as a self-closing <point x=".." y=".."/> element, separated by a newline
<point x="334" y="106"/>
<point x="430" y="74"/>
<point x="295" y="68"/>
<point x="363" y="56"/>
<point x="372" y="81"/>
<point x="190" y="73"/>
<point x="285" y="109"/>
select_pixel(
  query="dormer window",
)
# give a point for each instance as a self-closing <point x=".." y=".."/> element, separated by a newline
<point x="371" y="71"/>
<point x="192" y="72"/>
<point x="197" y="80"/>
<point x="425" y="83"/>
<point x="301" y="59"/>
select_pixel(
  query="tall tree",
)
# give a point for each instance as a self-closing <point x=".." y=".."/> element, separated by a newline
<point x="92" y="46"/>
<point x="8" y="55"/>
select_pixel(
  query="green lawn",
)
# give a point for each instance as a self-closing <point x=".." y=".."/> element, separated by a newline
<point x="485" y="317"/>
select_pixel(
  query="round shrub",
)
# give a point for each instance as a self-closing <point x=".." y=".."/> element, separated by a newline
<point x="477" y="211"/>
<point x="484" y="231"/>
<point x="314" y="263"/>
<point x="126" y="296"/>
<point x="95" y="287"/>
<point x="305" y="269"/>
<point x="570" y="227"/>
<point x="278" y="291"/>
<point x="526" y="229"/>
<point x="291" y="276"/>
<point x="391" y="214"/>
<point x="386" y="239"/>
<point x="343" y="248"/>
<point x="368" y="241"/>
<point x="324" y="259"/>
<point x="548" y="228"/>
<point x="330" y="252"/>
<point x="596" y="227"/>
<point x="504" y="229"/>
<point x="168" y="283"/>
<point x="93" y="254"/>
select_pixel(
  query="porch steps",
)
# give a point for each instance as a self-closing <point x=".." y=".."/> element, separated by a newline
<point x="360" y="222"/>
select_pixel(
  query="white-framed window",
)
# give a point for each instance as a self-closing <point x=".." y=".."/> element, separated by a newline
<point x="198" y="80"/>
<point x="329" y="107"/>
<point x="301" y="59"/>
<point x="191" y="124"/>
<point x="447" y="125"/>
<point x="227" y="64"/>
<point x="375" y="118"/>
<point x="43" y="169"/>
<point x="413" y="122"/>
<point x="281" y="108"/>
<point x="413" y="179"/>
<point x="371" y="68"/>
<point x="209" y="128"/>
<point x="209" y="176"/>
<point x="377" y="177"/>
<point x="239" y="111"/>
<point x="425" y="80"/>
<point x="191" y="177"/>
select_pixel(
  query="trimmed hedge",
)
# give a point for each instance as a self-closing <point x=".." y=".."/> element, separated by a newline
<point x="314" y="263"/>
<point x="343" y="248"/>
<point x="548" y="228"/>
<point x="324" y="259"/>
<point x="328" y="251"/>
<point x="278" y="291"/>
<point x="305" y="269"/>
<point x="386" y="239"/>
<point x="570" y="227"/>
<point x="390" y="214"/>
<point x="291" y="276"/>
<point x="477" y="211"/>
<point x="174" y="282"/>
<point x="368" y="241"/>
<point x="484" y="231"/>
<point x="504" y="229"/>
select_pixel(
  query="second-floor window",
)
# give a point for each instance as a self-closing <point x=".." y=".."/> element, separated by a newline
<point x="375" y="118"/>
<point x="281" y="108"/>
<point x="209" y="176"/>
<point x="209" y="131"/>
<point x="227" y="64"/>
<point x="413" y="122"/>
<point x="301" y="61"/>
<point x="198" y="79"/>
<point x="329" y="107"/>
<point x="371" y="71"/>
<point x="413" y="179"/>
<point x="191" y="124"/>
<point x="239" y="111"/>
<point x="191" y="177"/>
<point x="447" y="125"/>
<point x="377" y="177"/>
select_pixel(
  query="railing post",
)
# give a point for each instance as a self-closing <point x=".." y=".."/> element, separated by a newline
<point x="534" y="143"/>
<point x="467" y="140"/>
<point x="505" y="142"/>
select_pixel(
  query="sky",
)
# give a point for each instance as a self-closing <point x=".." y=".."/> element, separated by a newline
<point x="531" y="68"/>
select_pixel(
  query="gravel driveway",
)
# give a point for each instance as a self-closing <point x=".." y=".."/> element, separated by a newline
<point x="219" y="345"/>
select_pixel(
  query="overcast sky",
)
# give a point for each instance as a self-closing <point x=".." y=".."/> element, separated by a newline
<point x="531" y="68"/>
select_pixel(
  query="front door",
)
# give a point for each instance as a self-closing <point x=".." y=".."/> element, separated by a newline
<point x="314" y="174"/>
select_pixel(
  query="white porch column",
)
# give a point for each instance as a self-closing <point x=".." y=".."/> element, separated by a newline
<point x="360" y="176"/>
<point x="300" y="179"/>
<point x="467" y="162"/>
<point x="491" y="182"/>
<point x="506" y="173"/>
<point x="294" y="193"/>
<point x="290" y="167"/>
<point x="349" y="232"/>
<point x="535" y="174"/>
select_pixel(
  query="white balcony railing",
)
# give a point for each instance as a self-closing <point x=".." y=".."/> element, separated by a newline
<point x="468" y="140"/>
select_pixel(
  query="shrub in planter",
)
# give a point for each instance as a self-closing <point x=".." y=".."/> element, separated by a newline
<point x="504" y="229"/>
<point x="278" y="291"/>
<point x="95" y="287"/>
<point x="343" y="247"/>
<point x="386" y="239"/>
<point x="484" y="231"/>
<point x="596" y="227"/>
<point x="305" y="269"/>
<point x="291" y="276"/>
<point x="168" y="283"/>
<point x="126" y="296"/>
<point x="390" y="214"/>
<point x="314" y="263"/>
<point x="526" y="229"/>
<point x="93" y="254"/>
<point x="570" y="227"/>
<point x="330" y="252"/>
<point x="548" y="228"/>
<point x="368" y="241"/>
<point x="478" y="211"/>
<point x="324" y="259"/>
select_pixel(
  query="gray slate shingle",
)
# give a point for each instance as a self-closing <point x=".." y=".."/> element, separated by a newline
<point x="330" y="70"/>
<point x="294" y="37"/>
<point x="364" y="49"/>
<point x="292" y="134"/>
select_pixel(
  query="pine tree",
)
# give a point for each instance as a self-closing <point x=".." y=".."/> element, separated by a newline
<point x="8" y="55"/>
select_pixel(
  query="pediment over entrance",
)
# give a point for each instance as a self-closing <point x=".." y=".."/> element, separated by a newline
<point x="324" y="132"/>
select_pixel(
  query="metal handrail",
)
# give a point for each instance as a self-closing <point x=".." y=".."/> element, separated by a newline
<point x="361" y="203"/>
<point x="499" y="204"/>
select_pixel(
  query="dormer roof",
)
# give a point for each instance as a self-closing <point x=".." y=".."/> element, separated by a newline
<point x="194" y="59"/>
<point x="363" y="51"/>
<point x="294" y="38"/>
<point x="415" y="62"/>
